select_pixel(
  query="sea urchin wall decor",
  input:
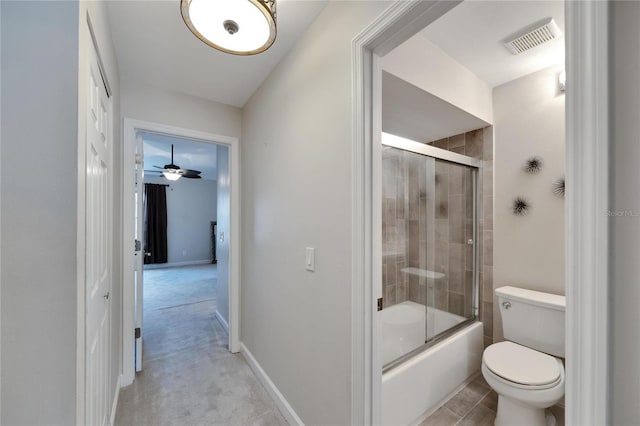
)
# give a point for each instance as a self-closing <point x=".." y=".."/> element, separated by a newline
<point x="520" y="206"/>
<point x="533" y="165"/>
<point x="558" y="187"/>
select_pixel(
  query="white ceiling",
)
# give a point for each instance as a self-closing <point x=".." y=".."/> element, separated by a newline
<point x="472" y="33"/>
<point x="188" y="154"/>
<point x="412" y="113"/>
<point x="154" y="46"/>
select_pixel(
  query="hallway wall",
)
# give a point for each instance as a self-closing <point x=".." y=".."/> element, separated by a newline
<point x="148" y="103"/>
<point x="44" y="44"/>
<point x="296" y="193"/>
<point x="39" y="250"/>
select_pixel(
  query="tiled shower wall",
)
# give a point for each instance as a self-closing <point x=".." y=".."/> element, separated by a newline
<point x="478" y="144"/>
<point x="394" y="237"/>
<point x="404" y="230"/>
<point x="408" y="242"/>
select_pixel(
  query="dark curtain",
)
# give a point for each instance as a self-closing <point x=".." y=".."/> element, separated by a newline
<point x="155" y="223"/>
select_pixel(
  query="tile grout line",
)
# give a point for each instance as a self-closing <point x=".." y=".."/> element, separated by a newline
<point x="474" y="406"/>
<point x="461" y="417"/>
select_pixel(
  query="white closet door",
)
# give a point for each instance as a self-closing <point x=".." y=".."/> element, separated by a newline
<point x="98" y="247"/>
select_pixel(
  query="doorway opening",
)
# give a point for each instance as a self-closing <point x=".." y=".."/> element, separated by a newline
<point x="179" y="298"/>
<point x="483" y="101"/>
<point x="584" y="142"/>
<point x="177" y="226"/>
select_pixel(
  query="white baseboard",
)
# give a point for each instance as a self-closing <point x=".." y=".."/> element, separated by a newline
<point x="114" y="405"/>
<point x="174" y="264"/>
<point x="282" y="403"/>
<point x="222" y="321"/>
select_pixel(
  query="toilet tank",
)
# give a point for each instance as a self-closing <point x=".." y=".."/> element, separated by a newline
<point x="533" y="319"/>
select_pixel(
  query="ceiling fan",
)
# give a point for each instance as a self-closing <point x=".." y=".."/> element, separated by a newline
<point x="173" y="172"/>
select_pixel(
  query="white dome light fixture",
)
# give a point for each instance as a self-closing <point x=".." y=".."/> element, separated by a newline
<point x="239" y="27"/>
<point x="171" y="175"/>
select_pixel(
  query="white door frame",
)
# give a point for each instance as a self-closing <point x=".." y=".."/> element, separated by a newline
<point x="131" y="126"/>
<point x="587" y="181"/>
<point x="587" y="224"/>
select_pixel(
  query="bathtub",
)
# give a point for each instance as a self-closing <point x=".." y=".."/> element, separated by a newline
<point x="422" y="383"/>
<point x="404" y="328"/>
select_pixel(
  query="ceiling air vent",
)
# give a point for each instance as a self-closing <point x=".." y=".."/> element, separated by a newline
<point x="541" y="33"/>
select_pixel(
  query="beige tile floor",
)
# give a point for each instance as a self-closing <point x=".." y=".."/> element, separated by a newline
<point x="189" y="376"/>
<point x="474" y="405"/>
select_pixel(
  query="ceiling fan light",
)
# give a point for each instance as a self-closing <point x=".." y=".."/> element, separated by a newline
<point x="239" y="27"/>
<point x="171" y="176"/>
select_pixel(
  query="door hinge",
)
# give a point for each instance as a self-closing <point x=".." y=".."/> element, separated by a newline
<point x="380" y="304"/>
<point x="137" y="332"/>
<point x="137" y="245"/>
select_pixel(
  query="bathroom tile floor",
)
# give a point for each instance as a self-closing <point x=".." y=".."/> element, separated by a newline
<point x="474" y="405"/>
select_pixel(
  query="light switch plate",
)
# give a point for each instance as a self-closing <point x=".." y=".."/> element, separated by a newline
<point x="310" y="259"/>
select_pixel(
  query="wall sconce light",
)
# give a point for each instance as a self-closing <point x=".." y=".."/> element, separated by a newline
<point x="239" y="27"/>
<point x="562" y="81"/>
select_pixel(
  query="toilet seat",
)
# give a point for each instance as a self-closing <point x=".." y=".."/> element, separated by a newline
<point x="521" y="366"/>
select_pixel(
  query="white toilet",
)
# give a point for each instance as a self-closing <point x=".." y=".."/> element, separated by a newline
<point x="525" y="370"/>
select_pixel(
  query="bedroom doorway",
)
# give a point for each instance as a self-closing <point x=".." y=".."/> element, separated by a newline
<point x="168" y="210"/>
<point x="177" y="304"/>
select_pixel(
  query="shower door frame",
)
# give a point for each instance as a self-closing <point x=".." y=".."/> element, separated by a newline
<point x="430" y="151"/>
<point x="475" y="165"/>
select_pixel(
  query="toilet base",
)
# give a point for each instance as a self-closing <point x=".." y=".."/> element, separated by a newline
<point x="512" y="412"/>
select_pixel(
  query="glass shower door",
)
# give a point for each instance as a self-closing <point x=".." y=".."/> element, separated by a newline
<point x="429" y="256"/>
<point x="452" y="298"/>
<point x="407" y="246"/>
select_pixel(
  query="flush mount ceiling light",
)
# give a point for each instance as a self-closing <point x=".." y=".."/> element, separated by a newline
<point x="239" y="27"/>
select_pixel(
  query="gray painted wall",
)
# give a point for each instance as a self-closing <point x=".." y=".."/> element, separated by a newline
<point x="43" y="44"/>
<point x="296" y="193"/>
<point x="625" y="230"/>
<point x="224" y="226"/>
<point x="191" y="206"/>
<point x="39" y="130"/>
<point x="174" y="109"/>
<point x="529" y="121"/>
<point x="0" y="215"/>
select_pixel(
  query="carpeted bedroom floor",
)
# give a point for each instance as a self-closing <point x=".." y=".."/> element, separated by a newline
<point x="189" y="377"/>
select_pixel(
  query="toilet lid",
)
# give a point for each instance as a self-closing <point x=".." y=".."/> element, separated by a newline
<point x="519" y="364"/>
